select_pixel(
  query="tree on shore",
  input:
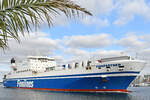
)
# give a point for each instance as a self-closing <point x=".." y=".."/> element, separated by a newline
<point x="18" y="16"/>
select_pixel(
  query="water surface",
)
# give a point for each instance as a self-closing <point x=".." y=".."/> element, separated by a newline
<point x="139" y="93"/>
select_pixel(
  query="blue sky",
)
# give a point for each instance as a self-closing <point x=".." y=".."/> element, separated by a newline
<point x="116" y="26"/>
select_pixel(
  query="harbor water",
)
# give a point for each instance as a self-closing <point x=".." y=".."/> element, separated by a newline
<point x="138" y="93"/>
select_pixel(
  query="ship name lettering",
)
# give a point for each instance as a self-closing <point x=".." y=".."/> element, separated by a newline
<point x="28" y="84"/>
<point x="108" y="65"/>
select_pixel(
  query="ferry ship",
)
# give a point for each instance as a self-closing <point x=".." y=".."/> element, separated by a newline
<point x="104" y="75"/>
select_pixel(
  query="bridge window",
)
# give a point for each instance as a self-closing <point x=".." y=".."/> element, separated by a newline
<point x="108" y="68"/>
<point x="121" y="68"/>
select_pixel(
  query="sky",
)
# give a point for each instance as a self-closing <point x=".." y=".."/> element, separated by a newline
<point x="117" y="27"/>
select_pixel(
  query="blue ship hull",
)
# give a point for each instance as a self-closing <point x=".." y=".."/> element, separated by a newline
<point x="82" y="82"/>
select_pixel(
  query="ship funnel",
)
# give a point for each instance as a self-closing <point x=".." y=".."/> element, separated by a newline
<point x="13" y="64"/>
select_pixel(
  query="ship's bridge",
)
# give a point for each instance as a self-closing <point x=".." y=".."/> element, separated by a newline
<point x="40" y="63"/>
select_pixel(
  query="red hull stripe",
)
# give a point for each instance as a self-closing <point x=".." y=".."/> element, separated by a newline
<point x="79" y="90"/>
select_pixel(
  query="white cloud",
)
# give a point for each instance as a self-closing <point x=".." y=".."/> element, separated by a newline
<point x="59" y="59"/>
<point x="143" y="54"/>
<point x="76" y="52"/>
<point x="132" y="41"/>
<point x="123" y="20"/>
<point x="145" y="37"/>
<point x="56" y="21"/>
<point x="128" y="9"/>
<point x="88" y="41"/>
<point x="33" y="44"/>
<point x="60" y="20"/>
<point x="97" y="7"/>
<point x="107" y="53"/>
<point x="88" y="20"/>
<point x="83" y="54"/>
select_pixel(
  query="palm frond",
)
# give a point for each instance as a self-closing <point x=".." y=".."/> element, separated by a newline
<point x="18" y="15"/>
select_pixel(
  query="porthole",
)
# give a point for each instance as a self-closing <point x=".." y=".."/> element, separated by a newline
<point x="88" y="68"/>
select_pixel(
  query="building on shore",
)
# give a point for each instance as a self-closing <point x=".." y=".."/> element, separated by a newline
<point x="2" y="73"/>
<point x="141" y="80"/>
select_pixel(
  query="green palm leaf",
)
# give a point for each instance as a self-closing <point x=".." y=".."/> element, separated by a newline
<point x="18" y="15"/>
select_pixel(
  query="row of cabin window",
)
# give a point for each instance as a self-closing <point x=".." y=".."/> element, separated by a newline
<point x="50" y="68"/>
<point x="37" y="67"/>
<point x="38" y="64"/>
<point x="41" y="59"/>
<point x="23" y="71"/>
<point x="110" y="67"/>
